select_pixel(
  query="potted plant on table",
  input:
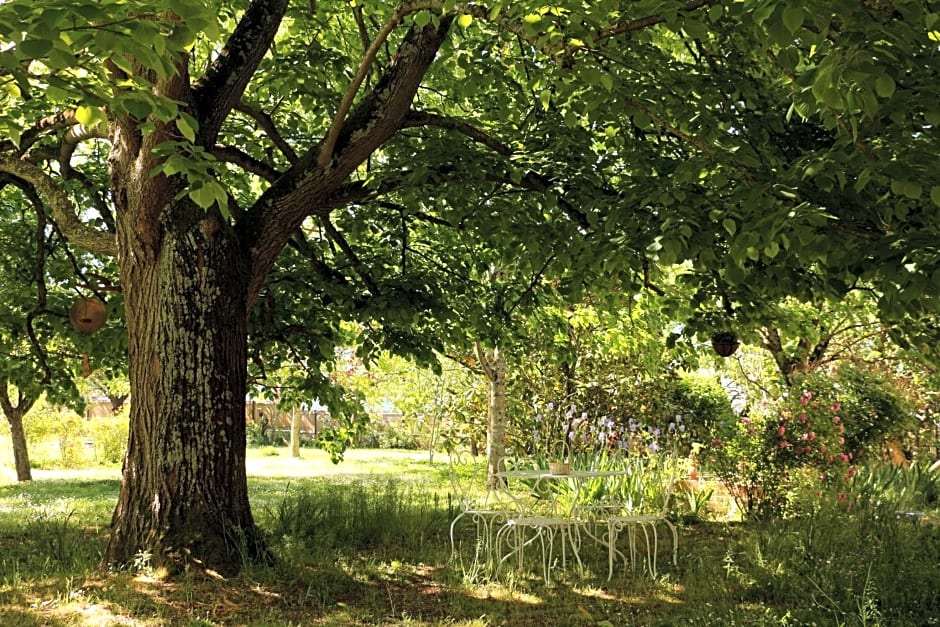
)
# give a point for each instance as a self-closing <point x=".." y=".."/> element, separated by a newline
<point x="552" y="436"/>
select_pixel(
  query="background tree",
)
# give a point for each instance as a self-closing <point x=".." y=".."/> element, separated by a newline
<point x="43" y="353"/>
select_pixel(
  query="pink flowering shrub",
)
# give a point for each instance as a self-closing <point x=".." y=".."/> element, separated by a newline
<point x="810" y="433"/>
<point x="761" y="456"/>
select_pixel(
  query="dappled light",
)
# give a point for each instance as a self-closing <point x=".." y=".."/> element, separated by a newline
<point x="423" y="312"/>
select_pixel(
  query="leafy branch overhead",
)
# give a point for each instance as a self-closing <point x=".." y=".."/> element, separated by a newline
<point x="607" y="136"/>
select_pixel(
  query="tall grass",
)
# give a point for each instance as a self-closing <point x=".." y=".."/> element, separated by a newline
<point x="360" y="515"/>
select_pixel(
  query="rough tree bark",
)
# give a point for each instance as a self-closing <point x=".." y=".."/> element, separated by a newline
<point x="14" y="414"/>
<point x="184" y="491"/>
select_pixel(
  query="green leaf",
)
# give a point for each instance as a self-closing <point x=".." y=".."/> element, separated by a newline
<point x="884" y="86"/>
<point x="642" y="120"/>
<point x="139" y="109"/>
<point x="935" y="194"/>
<point x="913" y="189"/>
<point x="734" y="274"/>
<point x="532" y="18"/>
<point x="863" y="178"/>
<point x="34" y="48"/>
<point x="185" y="127"/>
<point x="90" y="116"/>
<point x="545" y="98"/>
<point x="792" y="18"/>
<point x="730" y="226"/>
<point x="203" y="196"/>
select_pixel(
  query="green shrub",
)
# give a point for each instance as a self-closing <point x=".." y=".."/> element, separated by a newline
<point x="703" y="403"/>
<point x="382" y="434"/>
<point x="109" y="434"/>
<point x="62" y="428"/>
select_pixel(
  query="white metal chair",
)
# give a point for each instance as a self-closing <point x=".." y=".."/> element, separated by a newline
<point x="647" y="506"/>
<point x="482" y="505"/>
<point x="540" y="521"/>
<point x="544" y="529"/>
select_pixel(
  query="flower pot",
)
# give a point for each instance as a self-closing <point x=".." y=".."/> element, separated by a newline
<point x="724" y="343"/>
<point x="88" y="315"/>
<point x="559" y="468"/>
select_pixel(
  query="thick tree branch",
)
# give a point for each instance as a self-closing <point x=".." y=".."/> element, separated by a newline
<point x="246" y="162"/>
<point x="645" y="22"/>
<point x="39" y="275"/>
<point x="326" y="151"/>
<point x="222" y="86"/>
<point x="266" y="122"/>
<point x="92" y="240"/>
<point x="532" y="181"/>
<point x="335" y="236"/>
<point x="425" y="118"/>
<point x="73" y="137"/>
<point x="305" y="189"/>
<point x="46" y="125"/>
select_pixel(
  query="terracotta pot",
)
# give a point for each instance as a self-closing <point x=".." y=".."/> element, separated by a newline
<point x="88" y="315"/>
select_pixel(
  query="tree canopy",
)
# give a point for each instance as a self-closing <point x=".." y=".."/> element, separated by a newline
<point x="275" y="167"/>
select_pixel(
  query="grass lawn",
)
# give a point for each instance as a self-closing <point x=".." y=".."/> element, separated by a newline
<point x="366" y="543"/>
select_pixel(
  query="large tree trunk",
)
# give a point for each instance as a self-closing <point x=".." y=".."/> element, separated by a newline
<point x="14" y="414"/>
<point x="184" y="496"/>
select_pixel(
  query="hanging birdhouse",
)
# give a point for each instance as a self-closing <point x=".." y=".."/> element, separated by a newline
<point x="725" y="343"/>
<point x="88" y="315"/>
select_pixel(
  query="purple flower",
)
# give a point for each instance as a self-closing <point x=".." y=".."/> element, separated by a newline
<point x="654" y="447"/>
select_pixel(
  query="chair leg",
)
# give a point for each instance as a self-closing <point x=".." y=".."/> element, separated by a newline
<point x="611" y="549"/>
<point x="453" y="544"/>
<point x="652" y="551"/>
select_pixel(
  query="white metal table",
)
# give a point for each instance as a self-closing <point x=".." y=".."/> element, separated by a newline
<point x="545" y="520"/>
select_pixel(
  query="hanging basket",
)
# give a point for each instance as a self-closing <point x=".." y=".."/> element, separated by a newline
<point x="88" y="315"/>
<point x="725" y="343"/>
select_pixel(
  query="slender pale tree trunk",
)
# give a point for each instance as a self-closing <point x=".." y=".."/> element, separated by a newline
<point x="494" y="367"/>
<point x="184" y="489"/>
<point x="14" y="414"/>
<point x="295" y="419"/>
